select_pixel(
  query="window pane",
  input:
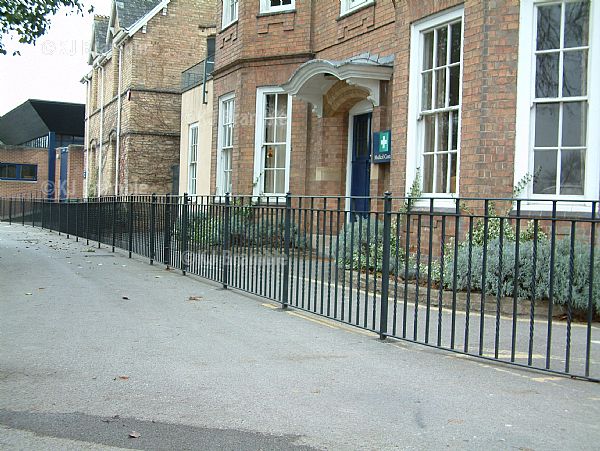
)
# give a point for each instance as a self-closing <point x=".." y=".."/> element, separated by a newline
<point x="281" y="125"/>
<point x="546" y="79"/>
<point x="548" y="27"/>
<point x="454" y="130"/>
<point x="270" y="130"/>
<point x="546" y="124"/>
<point x="453" y="165"/>
<point x="428" y="173"/>
<point x="280" y="181"/>
<point x="270" y="157"/>
<point x="429" y="134"/>
<point x="443" y="129"/>
<point x="577" y="22"/>
<point x="545" y="172"/>
<point x="280" y="157"/>
<point x="426" y="94"/>
<point x="442" y="172"/>
<point x="28" y="172"/>
<point x="8" y="171"/>
<point x="454" y="86"/>
<point x="574" y="124"/>
<point x="282" y="105"/>
<point x="428" y="50"/>
<point x="270" y="105"/>
<point x="572" y="172"/>
<point x="442" y="42"/>
<point x="269" y="181"/>
<point x="440" y="88"/>
<point x="455" y="43"/>
<point x="575" y="73"/>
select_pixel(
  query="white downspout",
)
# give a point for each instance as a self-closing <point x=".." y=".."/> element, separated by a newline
<point x="87" y="136"/>
<point x="101" y="131"/>
<point x="118" y="149"/>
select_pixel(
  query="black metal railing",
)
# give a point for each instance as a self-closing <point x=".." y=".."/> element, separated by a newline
<point x="515" y="281"/>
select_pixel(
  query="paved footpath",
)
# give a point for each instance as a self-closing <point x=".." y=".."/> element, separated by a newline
<point x="94" y="345"/>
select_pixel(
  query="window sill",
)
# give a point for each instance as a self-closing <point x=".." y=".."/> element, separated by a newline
<point x="348" y="13"/>
<point x="19" y="181"/>
<point x="275" y="13"/>
<point x="229" y="25"/>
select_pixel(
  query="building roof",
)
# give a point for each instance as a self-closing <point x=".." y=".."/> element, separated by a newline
<point x="36" y="118"/>
<point x="131" y="11"/>
<point x="100" y="31"/>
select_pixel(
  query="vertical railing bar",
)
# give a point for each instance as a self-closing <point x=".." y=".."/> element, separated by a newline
<point x="429" y="270"/>
<point x="486" y="224"/>
<point x="406" y="264"/>
<point x="455" y="272"/>
<point x="551" y="288"/>
<point x="570" y="298"/>
<point x="533" y="291"/>
<point x="590" y="312"/>
<point x="469" y="287"/>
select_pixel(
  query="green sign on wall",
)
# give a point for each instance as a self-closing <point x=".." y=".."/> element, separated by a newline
<point x="382" y="146"/>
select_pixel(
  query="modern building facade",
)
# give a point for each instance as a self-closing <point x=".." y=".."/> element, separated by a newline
<point x="133" y="116"/>
<point x="464" y="98"/>
<point x="32" y="135"/>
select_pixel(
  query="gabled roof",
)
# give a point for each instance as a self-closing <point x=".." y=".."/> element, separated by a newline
<point x="131" y="11"/>
<point x="99" y="37"/>
<point x="36" y="118"/>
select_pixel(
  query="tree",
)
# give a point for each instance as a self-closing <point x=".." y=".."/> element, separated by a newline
<point x="30" y="19"/>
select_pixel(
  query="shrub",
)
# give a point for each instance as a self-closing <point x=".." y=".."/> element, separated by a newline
<point x="361" y="246"/>
<point x="501" y="280"/>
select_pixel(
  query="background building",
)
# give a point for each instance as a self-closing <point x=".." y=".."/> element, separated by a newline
<point x="134" y="94"/>
<point x="31" y="134"/>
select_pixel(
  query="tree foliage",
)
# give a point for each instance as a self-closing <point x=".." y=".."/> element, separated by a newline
<point x="30" y="19"/>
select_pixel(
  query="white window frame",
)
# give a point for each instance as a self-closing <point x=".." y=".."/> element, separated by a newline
<point x="230" y="16"/>
<point x="265" y="7"/>
<point x="414" y="133"/>
<point x="524" y="132"/>
<point x="258" y="180"/>
<point x="221" y="189"/>
<point x="348" y="6"/>
<point x="193" y="158"/>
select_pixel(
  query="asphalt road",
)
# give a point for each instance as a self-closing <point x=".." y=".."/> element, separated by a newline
<point x="94" y="346"/>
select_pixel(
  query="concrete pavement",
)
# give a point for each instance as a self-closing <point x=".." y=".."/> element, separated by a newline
<point x="94" y="345"/>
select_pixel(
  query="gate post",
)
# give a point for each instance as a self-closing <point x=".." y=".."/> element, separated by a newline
<point x="385" y="266"/>
<point x="184" y="234"/>
<point x="152" y="228"/>
<point x="226" y="242"/>
<point x="286" y="249"/>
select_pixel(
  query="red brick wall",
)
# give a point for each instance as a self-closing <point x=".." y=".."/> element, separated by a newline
<point x="25" y="155"/>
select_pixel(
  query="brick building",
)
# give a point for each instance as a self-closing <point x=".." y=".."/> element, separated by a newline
<point x="477" y="95"/>
<point x="42" y="153"/>
<point x="133" y="92"/>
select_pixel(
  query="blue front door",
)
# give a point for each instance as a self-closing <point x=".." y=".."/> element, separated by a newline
<point x="64" y="163"/>
<point x="361" y="165"/>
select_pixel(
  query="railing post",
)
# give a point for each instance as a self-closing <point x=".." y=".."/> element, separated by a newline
<point x="22" y="210"/>
<point x="130" y="227"/>
<point x="32" y="209"/>
<point x="287" y="238"/>
<point x="98" y="218"/>
<point x="385" y="265"/>
<point x="68" y="207"/>
<point x="114" y="221"/>
<point x="226" y="239"/>
<point x="87" y="221"/>
<point x="152" y="229"/>
<point x="184" y="234"/>
<point x="167" y="227"/>
<point x="77" y="220"/>
<point x="10" y="202"/>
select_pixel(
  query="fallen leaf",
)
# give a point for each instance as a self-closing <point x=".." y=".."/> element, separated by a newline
<point x="28" y="294"/>
<point x="134" y="434"/>
<point x="195" y="298"/>
<point x="123" y="378"/>
<point x="126" y="298"/>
